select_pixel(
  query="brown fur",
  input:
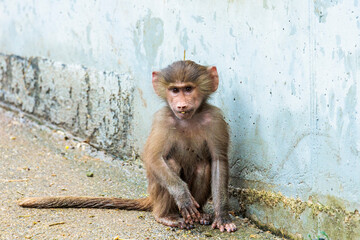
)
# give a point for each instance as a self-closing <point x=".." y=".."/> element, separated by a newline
<point x="86" y="202"/>
<point x="185" y="155"/>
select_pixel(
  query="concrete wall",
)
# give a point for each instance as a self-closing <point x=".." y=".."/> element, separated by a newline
<point x="289" y="73"/>
<point x="96" y="106"/>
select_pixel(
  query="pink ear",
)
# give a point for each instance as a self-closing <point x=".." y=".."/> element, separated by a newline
<point x="155" y="82"/>
<point x="215" y="77"/>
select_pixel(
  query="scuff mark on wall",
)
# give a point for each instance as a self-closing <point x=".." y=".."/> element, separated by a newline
<point x="142" y="97"/>
<point x="265" y="4"/>
<point x="321" y="8"/>
<point x="293" y="146"/>
<point x="204" y="44"/>
<point x="198" y="19"/>
<point x="184" y="39"/>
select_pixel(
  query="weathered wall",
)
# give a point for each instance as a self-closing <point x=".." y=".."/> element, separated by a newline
<point x="96" y="106"/>
<point x="289" y="73"/>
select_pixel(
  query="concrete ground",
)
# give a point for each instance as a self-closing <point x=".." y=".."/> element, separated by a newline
<point x="36" y="160"/>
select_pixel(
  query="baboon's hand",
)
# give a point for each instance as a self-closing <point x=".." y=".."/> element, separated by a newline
<point x="224" y="223"/>
<point x="189" y="209"/>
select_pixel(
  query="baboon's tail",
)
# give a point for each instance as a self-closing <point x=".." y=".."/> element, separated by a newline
<point x="143" y="204"/>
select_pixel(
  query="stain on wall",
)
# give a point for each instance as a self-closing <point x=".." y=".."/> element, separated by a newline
<point x="148" y="37"/>
<point x="321" y="8"/>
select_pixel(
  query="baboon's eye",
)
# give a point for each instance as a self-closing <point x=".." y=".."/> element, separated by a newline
<point x="188" y="89"/>
<point x="175" y="90"/>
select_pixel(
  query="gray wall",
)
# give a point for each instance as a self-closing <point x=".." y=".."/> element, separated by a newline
<point x="289" y="73"/>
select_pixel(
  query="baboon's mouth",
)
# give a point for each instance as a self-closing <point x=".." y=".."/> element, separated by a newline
<point x="185" y="114"/>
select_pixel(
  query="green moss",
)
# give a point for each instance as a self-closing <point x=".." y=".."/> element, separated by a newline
<point x="333" y="214"/>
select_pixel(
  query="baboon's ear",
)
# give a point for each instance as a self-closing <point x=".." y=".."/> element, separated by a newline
<point x="155" y="82"/>
<point x="214" y="77"/>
